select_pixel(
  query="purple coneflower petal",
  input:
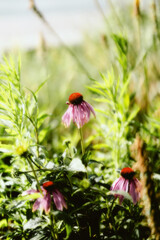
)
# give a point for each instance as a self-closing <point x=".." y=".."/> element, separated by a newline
<point x="59" y="200"/>
<point x="30" y="191"/>
<point x="120" y="184"/>
<point x="37" y="204"/>
<point x="75" y="115"/>
<point x="67" y="117"/>
<point x="62" y="199"/>
<point x="90" y="108"/>
<point x="79" y="111"/>
<point x="46" y="203"/>
<point x="44" y="191"/>
<point x="134" y="190"/>
<point x="86" y="112"/>
<point x="115" y="183"/>
<point x="125" y="186"/>
<point x="81" y="114"/>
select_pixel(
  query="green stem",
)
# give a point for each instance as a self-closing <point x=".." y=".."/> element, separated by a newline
<point x="82" y="141"/>
<point x="37" y="139"/>
<point x="35" y="175"/>
<point x="52" y="223"/>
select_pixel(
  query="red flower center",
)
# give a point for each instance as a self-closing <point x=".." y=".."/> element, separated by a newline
<point x="75" y="98"/>
<point x="127" y="173"/>
<point x="48" y="185"/>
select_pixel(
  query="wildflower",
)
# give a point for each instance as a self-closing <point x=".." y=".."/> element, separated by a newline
<point x="44" y="201"/>
<point x="128" y="183"/>
<point x="78" y="111"/>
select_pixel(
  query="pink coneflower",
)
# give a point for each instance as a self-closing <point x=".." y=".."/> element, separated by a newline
<point x="44" y="201"/>
<point x="78" y="111"/>
<point x="128" y="183"/>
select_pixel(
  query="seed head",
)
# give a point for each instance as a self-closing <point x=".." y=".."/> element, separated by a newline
<point x="127" y="173"/>
<point x="76" y="98"/>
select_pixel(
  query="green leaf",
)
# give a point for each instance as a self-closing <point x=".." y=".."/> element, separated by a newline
<point x="97" y="91"/>
<point x="41" y="85"/>
<point x="103" y="100"/>
<point x="100" y="146"/>
<point x="33" y="223"/>
<point x="133" y="114"/>
<point x="6" y="148"/>
<point x="123" y="90"/>
<point x="29" y="178"/>
<point x="68" y="231"/>
<point x="76" y="165"/>
<point x="34" y="95"/>
<point x="29" y="197"/>
<point x="3" y="223"/>
<point x="122" y="193"/>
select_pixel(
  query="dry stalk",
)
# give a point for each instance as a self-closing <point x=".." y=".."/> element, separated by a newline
<point x="149" y="201"/>
<point x="155" y="19"/>
<point x="137" y="7"/>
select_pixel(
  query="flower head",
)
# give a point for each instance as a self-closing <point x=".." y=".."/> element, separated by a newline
<point x="128" y="183"/>
<point x="44" y="201"/>
<point x="78" y="111"/>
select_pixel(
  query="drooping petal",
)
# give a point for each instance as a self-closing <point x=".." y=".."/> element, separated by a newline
<point x="30" y="191"/>
<point x="120" y="184"/>
<point x="59" y="200"/>
<point x="134" y="190"/>
<point x="46" y="203"/>
<point x="44" y="191"/>
<point x="85" y="112"/>
<point x="90" y="108"/>
<point x="114" y="184"/>
<point x="68" y="116"/>
<point x="37" y="204"/>
<point x="125" y="186"/>
<point x="62" y="199"/>
<point x="76" y="116"/>
<point x="78" y="110"/>
<point x="81" y="114"/>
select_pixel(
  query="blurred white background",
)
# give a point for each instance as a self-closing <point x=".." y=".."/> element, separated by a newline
<point x="20" y="27"/>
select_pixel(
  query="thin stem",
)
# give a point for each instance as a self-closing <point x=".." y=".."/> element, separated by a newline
<point x="37" y="139"/>
<point x="36" y="132"/>
<point x="100" y="9"/>
<point x="52" y="223"/>
<point x="155" y="17"/>
<point x="82" y="141"/>
<point x="116" y="15"/>
<point x="62" y="169"/>
<point x="35" y="175"/>
<point x="65" y="46"/>
<point x="110" y="208"/>
<point x="138" y="18"/>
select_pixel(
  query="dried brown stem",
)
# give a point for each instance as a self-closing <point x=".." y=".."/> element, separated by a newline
<point x="155" y="18"/>
<point x="137" y="7"/>
<point x="150" y="203"/>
